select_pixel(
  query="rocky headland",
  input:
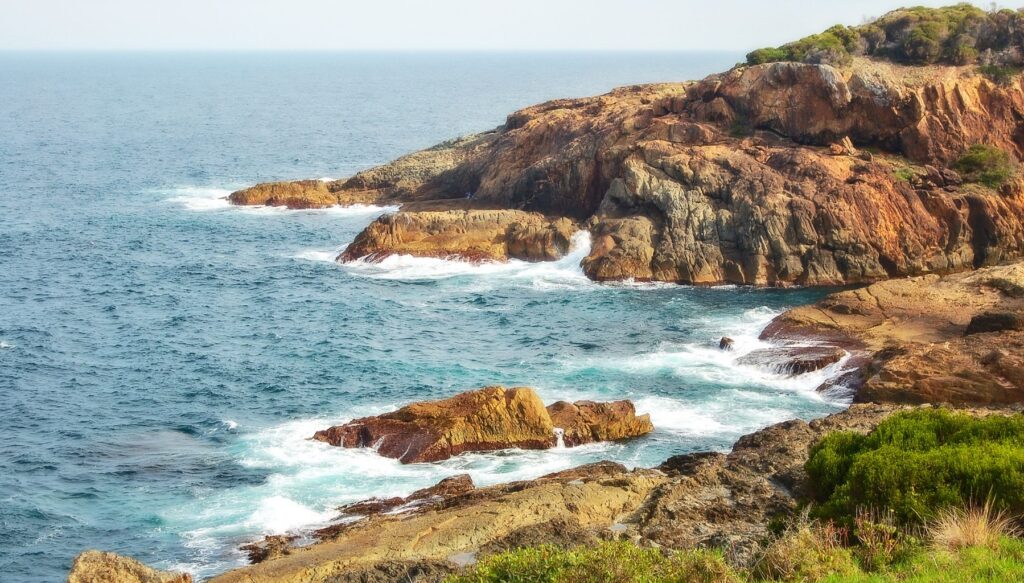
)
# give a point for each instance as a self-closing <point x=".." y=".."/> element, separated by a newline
<point x="769" y="174"/>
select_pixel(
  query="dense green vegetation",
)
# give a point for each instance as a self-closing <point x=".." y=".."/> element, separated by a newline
<point x="627" y="563"/>
<point x="985" y="164"/>
<point x="916" y="463"/>
<point x="956" y="35"/>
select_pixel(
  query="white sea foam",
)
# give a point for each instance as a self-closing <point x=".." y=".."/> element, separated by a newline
<point x="279" y="514"/>
<point x="5" y="345"/>
<point x="561" y="274"/>
<point x="196" y="198"/>
<point x="231" y="425"/>
<point x="321" y="255"/>
<point x="205" y="199"/>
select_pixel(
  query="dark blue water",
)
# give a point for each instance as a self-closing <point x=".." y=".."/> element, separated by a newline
<point x="164" y="357"/>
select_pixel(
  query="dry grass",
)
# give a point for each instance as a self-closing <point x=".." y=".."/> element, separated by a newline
<point x="974" y="526"/>
<point x="806" y="551"/>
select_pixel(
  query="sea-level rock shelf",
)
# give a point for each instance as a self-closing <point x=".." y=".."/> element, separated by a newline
<point x="484" y="420"/>
<point x="771" y="174"/>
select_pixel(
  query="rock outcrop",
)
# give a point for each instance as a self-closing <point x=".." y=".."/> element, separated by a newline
<point x="930" y="339"/>
<point x="440" y="492"/>
<point x="768" y="174"/>
<point x="496" y="235"/>
<point x="101" y="567"/>
<point x="485" y="420"/>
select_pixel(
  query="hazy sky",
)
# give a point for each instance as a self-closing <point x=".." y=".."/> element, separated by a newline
<point x="423" y="24"/>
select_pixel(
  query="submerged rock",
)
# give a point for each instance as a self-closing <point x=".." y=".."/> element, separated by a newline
<point x="793" y="360"/>
<point x="483" y="420"/>
<point x="726" y="343"/>
<point x="101" y="567"/>
<point x="419" y="500"/>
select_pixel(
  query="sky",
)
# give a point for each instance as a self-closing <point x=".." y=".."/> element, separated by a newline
<point x="271" y="25"/>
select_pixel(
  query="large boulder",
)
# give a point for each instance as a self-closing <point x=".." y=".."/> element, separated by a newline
<point x="487" y="419"/>
<point x="101" y="567"/>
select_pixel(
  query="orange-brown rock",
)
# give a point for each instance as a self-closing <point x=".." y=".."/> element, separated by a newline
<point x="587" y="422"/>
<point x="101" y="567"/>
<point x="420" y="499"/>
<point x="479" y="235"/>
<point x="483" y="420"/>
<point x="759" y="175"/>
<point x="955" y="338"/>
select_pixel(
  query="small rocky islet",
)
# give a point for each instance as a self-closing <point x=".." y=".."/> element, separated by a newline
<point x="780" y="173"/>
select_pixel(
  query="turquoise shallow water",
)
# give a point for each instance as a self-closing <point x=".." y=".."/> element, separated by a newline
<point x="163" y="357"/>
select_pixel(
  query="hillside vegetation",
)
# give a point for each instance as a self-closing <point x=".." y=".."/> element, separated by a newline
<point x="955" y="35"/>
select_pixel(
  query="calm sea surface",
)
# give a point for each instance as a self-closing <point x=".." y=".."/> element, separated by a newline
<point x="163" y="357"/>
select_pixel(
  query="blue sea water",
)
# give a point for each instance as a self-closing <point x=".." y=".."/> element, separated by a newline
<point x="164" y="357"/>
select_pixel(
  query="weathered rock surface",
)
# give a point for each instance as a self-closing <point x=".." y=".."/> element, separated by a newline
<point x="101" y="567"/>
<point x="491" y="235"/>
<point x="420" y="499"/>
<point x="759" y="175"/>
<point x="928" y="339"/>
<point x="269" y="547"/>
<point x="585" y="499"/>
<point x="484" y="420"/>
<point x="588" y="422"/>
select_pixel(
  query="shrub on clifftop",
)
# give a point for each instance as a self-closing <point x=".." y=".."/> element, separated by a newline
<point x="917" y="463"/>
<point x="955" y="35"/>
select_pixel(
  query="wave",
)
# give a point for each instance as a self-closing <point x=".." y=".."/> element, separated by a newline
<point x="563" y="273"/>
<point x="195" y="198"/>
<point x="206" y="199"/>
<point x="5" y="345"/>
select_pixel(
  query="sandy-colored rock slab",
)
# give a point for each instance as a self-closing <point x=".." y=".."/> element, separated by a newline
<point x="102" y="567"/>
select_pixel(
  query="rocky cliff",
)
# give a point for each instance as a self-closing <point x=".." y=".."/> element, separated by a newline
<point x="768" y="174"/>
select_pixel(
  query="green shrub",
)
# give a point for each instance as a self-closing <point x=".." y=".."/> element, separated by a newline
<point x="953" y="35"/>
<point x="1001" y="75"/>
<point x="611" y="561"/>
<point x="916" y="463"/>
<point x="985" y="164"/>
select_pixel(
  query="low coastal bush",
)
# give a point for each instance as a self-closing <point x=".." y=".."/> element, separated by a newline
<point x="999" y="74"/>
<point x="954" y="35"/>
<point x="610" y="561"/>
<point x="985" y="164"/>
<point x="915" y="464"/>
<point x="807" y="552"/>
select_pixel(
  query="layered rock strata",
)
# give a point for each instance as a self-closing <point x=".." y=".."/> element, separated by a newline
<point x="956" y="339"/>
<point x="769" y="174"/>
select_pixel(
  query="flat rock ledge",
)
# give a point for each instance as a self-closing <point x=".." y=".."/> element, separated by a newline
<point x="103" y="567"/>
<point x="487" y="419"/>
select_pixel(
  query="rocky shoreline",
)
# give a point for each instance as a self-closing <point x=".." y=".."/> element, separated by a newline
<point x="784" y="173"/>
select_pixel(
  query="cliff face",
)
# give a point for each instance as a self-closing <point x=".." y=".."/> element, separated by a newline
<point x="744" y="177"/>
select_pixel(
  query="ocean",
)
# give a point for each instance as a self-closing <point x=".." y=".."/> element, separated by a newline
<point x="164" y="357"/>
